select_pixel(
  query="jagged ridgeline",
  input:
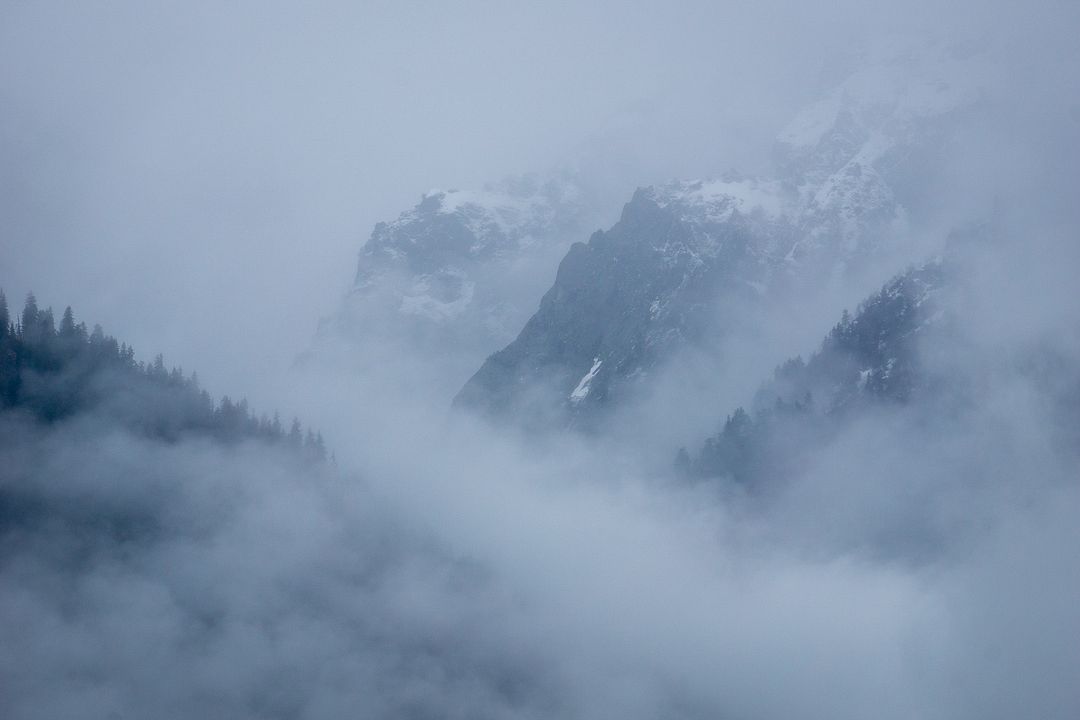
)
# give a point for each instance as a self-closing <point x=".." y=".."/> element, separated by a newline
<point x="52" y="374"/>
<point x="453" y="279"/>
<point x="688" y="262"/>
<point x="866" y="361"/>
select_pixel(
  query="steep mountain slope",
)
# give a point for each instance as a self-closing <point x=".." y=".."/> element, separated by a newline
<point x="869" y="359"/>
<point x="685" y="258"/>
<point x="53" y="375"/>
<point x="65" y="390"/>
<point x="624" y="298"/>
<point x="146" y="530"/>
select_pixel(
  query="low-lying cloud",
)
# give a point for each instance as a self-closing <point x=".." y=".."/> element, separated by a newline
<point x="205" y="196"/>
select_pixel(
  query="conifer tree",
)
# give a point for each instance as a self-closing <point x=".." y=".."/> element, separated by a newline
<point x="5" y="318"/>
<point x="9" y="366"/>
<point x="30" y="312"/>
<point x="46" y="324"/>
<point x="67" y="323"/>
<point x="70" y="371"/>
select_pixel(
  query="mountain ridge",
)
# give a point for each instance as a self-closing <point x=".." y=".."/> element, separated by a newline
<point x="687" y="255"/>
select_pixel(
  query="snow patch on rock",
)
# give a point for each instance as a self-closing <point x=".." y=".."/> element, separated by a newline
<point x="438" y="298"/>
<point x="715" y="201"/>
<point x="582" y="390"/>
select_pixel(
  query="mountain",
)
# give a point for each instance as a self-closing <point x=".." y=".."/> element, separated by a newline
<point x="687" y="259"/>
<point x="51" y="376"/>
<point x="66" y="391"/>
<point x="454" y="277"/>
<point x="871" y="359"/>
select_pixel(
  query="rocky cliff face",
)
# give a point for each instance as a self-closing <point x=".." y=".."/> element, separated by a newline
<point x="686" y="255"/>
<point x="622" y="300"/>
<point x="454" y="277"/>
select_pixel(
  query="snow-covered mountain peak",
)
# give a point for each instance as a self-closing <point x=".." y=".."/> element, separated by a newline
<point x="690" y="261"/>
<point x="460" y="226"/>
<point x="716" y="200"/>
<point x="454" y="277"/>
<point x="513" y="211"/>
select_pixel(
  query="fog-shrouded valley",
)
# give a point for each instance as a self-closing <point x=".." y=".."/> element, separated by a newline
<point x="547" y="361"/>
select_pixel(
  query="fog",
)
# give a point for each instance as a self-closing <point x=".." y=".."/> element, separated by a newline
<point x="200" y="180"/>
<point x="184" y="172"/>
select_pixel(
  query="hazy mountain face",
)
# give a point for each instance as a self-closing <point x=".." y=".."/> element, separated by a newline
<point x="868" y="363"/>
<point x="876" y="512"/>
<point x="908" y="365"/>
<point x="453" y="278"/>
<point x="688" y="261"/>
